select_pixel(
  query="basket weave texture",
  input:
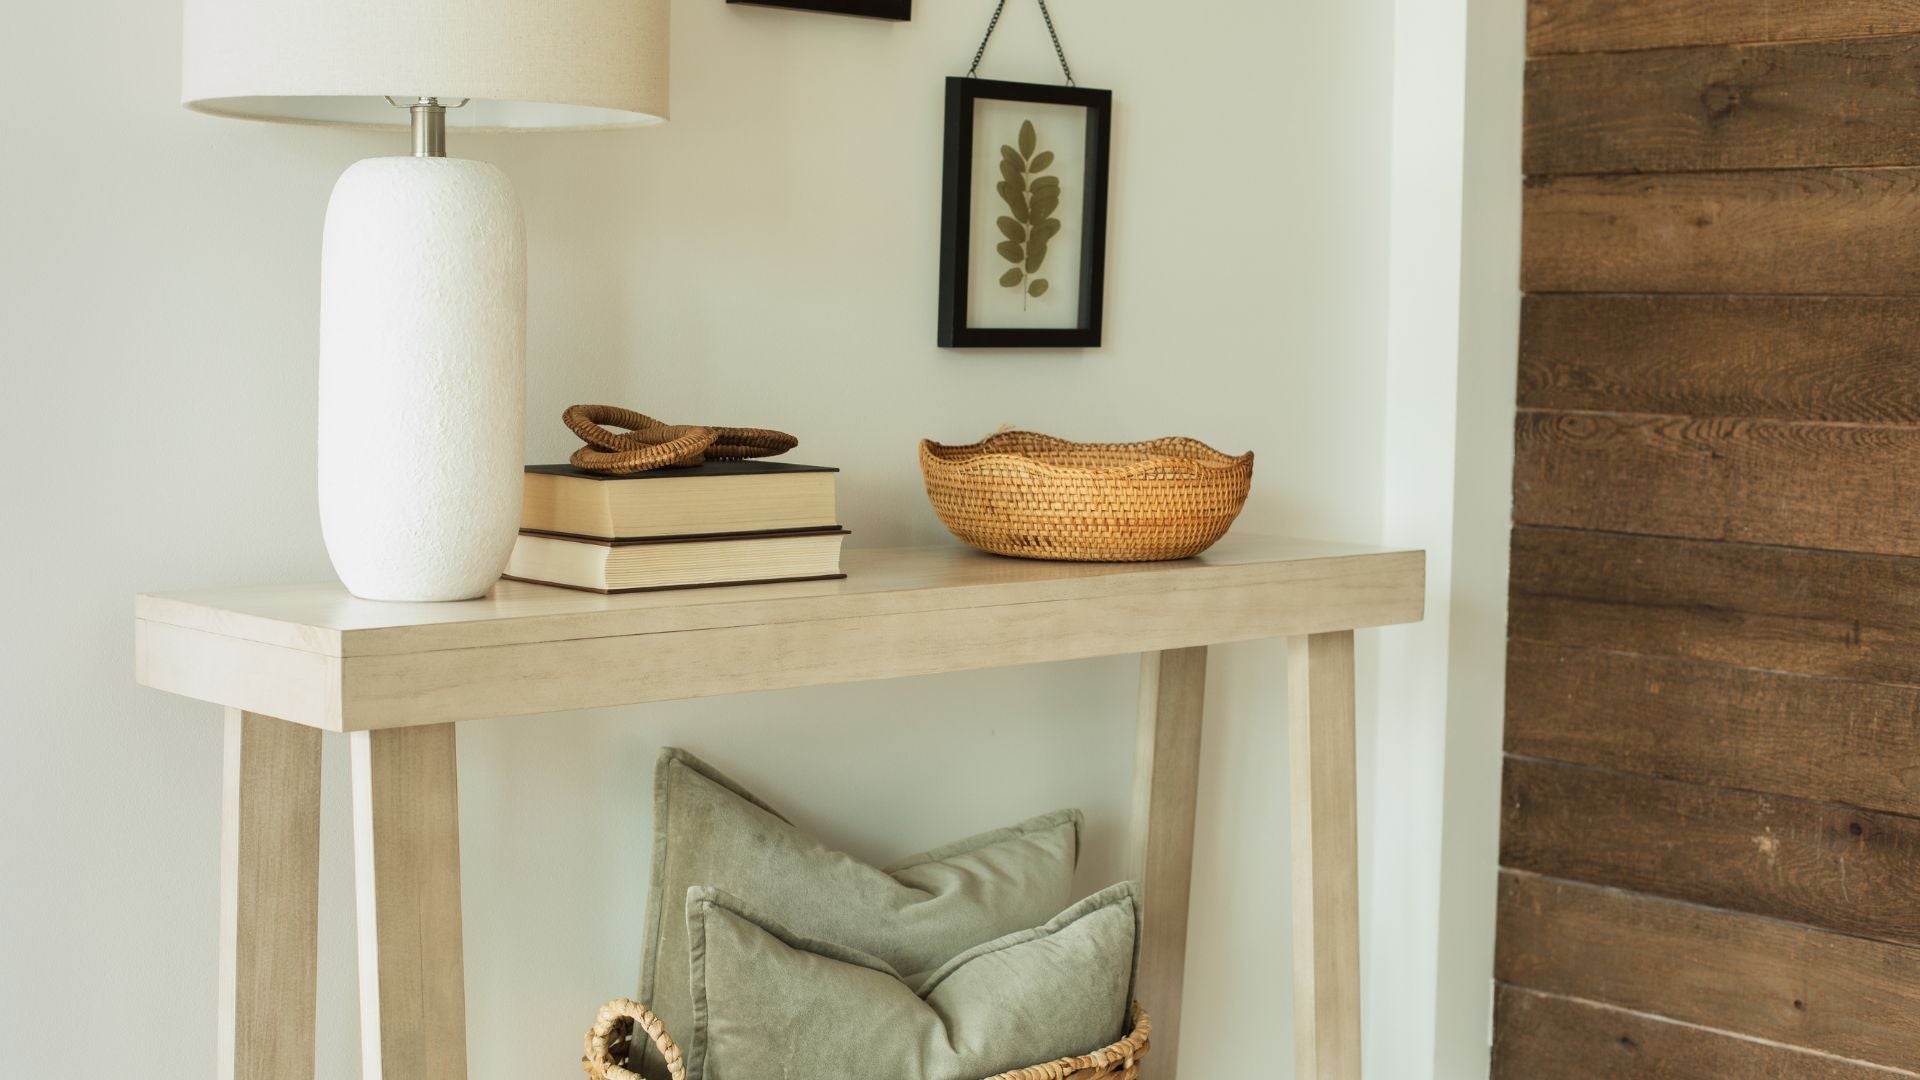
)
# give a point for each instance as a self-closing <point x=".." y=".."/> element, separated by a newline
<point x="610" y="1042"/>
<point x="1034" y="496"/>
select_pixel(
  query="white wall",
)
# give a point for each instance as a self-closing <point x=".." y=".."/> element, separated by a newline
<point x="1482" y="457"/>
<point x="1453" y="323"/>
<point x="767" y="258"/>
<point x="1417" y="501"/>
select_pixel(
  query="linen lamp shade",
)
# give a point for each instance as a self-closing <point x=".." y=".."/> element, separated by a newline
<point x="524" y="64"/>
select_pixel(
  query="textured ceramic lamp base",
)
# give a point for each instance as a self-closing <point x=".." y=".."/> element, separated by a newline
<point x="422" y="377"/>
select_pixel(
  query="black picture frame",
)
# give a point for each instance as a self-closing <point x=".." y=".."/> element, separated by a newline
<point x="897" y="10"/>
<point x="956" y="202"/>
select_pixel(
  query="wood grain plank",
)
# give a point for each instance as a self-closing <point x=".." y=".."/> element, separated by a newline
<point x="1812" y="612"/>
<point x="1848" y="359"/>
<point x="529" y="649"/>
<point x="269" y="899"/>
<point x="1742" y="973"/>
<point x="1541" y="1035"/>
<point x="1828" y="866"/>
<point x="1714" y="654"/>
<point x="1348" y="581"/>
<point x="1847" y="232"/>
<point x="1721" y="478"/>
<point x="1567" y="26"/>
<point x="406" y="873"/>
<point x="458" y="685"/>
<point x="1166" y="790"/>
<point x="266" y="680"/>
<point x="1325" y="855"/>
<point x="1808" y="104"/>
<point x="1852" y="743"/>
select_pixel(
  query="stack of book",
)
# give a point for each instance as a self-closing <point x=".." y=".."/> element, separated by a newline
<point x="721" y="523"/>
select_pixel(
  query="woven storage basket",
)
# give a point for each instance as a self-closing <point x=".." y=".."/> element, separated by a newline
<point x="610" y="1041"/>
<point x="1037" y="497"/>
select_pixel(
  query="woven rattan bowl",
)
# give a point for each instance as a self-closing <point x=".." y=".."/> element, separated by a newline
<point x="1037" y="497"/>
<point x="610" y="1042"/>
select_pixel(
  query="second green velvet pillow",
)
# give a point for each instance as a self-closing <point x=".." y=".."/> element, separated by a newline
<point x="914" y="916"/>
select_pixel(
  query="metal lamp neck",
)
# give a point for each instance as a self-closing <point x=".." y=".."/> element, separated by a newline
<point x="429" y="128"/>
<point x="429" y="123"/>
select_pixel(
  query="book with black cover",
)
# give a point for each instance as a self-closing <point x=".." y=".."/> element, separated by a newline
<point x="716" y="497"/>
<point x="713" y="467"/>
<point x="613" y="566"/>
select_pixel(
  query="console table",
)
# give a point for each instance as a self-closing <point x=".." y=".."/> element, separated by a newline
<point x="290" y="663"/>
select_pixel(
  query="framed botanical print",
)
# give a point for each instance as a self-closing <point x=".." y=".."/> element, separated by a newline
<point x="1023" y="220"/>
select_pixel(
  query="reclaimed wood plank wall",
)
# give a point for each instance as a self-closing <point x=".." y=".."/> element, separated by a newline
<point x="1710" y="836"/>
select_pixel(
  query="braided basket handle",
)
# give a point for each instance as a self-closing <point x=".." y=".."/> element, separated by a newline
<point x="610" y="1041"/>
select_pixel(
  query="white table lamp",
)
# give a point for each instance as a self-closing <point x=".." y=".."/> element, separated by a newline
<point x="423" y="265"/>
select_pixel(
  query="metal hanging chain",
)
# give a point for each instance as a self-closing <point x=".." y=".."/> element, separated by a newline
<point x="994" y="22"/>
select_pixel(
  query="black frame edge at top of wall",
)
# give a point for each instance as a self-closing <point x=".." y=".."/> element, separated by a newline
<point x="895" y="10"/>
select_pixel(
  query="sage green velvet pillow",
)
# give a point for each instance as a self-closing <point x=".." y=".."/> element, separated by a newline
<point x="913" y="916"/>
<point x="770" y="1004"/>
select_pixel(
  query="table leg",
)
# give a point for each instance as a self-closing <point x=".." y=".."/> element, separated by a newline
<point x="406" y="843"/>
<point x="1166" y="782"/>
<point x="269" y="898"/>
<point x="1326" y="857"/>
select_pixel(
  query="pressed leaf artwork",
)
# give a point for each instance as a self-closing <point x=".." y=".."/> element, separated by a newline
<point x="1023" y="215"/>
<point x="1032" y="196"/>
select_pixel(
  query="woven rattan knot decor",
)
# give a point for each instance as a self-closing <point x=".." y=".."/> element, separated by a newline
<point x="650" y="444"/>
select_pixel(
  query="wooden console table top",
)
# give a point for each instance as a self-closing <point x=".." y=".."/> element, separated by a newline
<point x="315" y="655"/>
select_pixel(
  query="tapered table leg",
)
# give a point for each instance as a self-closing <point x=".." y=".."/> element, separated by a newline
<point x="269" y="898"/>
<point x="406" y="841"/>
<point x="1326" y="857"/>
<point x="1166" y="782"/>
